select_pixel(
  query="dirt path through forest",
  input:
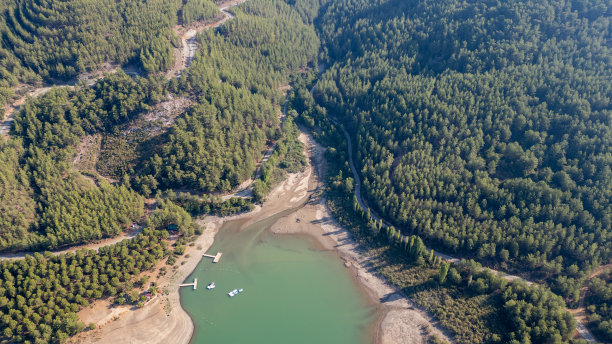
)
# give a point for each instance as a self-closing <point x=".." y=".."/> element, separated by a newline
<point x="581" y="328"/>
<point x="580" y="313"/>
<point x="183" y="59"/>
<point x="90" y="78"/>
<point x="185" y="54"/>
<point x="91" y="246"/>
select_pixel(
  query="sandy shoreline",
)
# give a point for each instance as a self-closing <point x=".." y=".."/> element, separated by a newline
<point x="163" y="320"/>
<point x="400" y="321"/>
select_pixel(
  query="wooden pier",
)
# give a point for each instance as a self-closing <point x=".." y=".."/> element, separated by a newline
<point x="194" y="284"/>
<point x="215" y="258"/>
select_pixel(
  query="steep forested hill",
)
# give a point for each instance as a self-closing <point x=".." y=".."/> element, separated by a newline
<point x="228" y="111"/>
<point x="212" y="145"/>
<point x="215" y="145"/>
<point x="57" y="39"/>
<point x="483" y="126"/>
<point x="45" y="202"/>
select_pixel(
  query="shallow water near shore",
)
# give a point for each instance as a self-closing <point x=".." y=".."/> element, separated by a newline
<point x="293" y="293"/>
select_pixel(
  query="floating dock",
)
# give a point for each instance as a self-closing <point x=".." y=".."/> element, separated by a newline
<point x="215" y="258"/>
<point x="194" y="284"/>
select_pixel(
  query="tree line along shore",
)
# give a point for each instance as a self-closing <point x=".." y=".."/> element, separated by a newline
<point x="480" y="129"/>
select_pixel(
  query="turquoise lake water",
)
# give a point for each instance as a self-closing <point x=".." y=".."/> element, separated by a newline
<point x="293" y="293"/>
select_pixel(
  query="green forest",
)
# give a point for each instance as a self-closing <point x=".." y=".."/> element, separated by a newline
<point x="483" y="127"/>
<point x="46" y="40"/>
<point x="471" y="302"/>
<point x="57" y="204"/>
<point x="216" y="144"/>
<point x="197" y="10"/>
<point x="40" y="295"/>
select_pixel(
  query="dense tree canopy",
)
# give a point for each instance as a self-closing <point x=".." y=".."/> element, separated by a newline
<point x="47" y="36"/>
<point x="198" y="10"/>
<point x="40" y="295"/>
<point x="235" y="78"/>
<point x="157" y="56"/>
<point x="482" y="126"/>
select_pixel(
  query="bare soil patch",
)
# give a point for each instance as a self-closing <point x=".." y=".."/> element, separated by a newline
<point x="86" y="153"/>
<point x="139" y="139"/>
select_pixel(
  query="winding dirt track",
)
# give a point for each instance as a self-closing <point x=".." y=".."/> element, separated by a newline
<point x="189" y="47"/>
<point x="187" y="53"/>
<point x="581" y="328"/>
<point x="93" y="246"/>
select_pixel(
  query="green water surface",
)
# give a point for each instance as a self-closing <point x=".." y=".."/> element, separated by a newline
<point x="293" y="293"/>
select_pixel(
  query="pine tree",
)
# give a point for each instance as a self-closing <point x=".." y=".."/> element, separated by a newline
<point x="443" y="272"/>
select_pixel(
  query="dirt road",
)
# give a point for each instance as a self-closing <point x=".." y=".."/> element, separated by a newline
<point x="186" y="53"/>
<point x="93" y="246"/>
<point x="189" y="47"/>
<point x="581" y="328"/>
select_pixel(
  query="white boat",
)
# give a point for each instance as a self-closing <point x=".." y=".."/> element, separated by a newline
<point x="233" y="293"/>
<point x="211" y="286"/>
<point x="240" y="290"/>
